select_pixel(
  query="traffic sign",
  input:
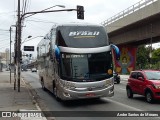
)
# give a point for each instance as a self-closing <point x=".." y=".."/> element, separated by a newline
<point x="28" y="48"/>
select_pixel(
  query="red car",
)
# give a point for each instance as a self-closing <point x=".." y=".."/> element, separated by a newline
<point x="144" y="82"/>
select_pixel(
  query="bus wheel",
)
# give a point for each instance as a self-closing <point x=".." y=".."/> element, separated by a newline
<point x="55" y="94"/>
<point x="42" y="83"/>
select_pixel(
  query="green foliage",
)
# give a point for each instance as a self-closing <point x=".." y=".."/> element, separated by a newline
<point x="156" y="54"/>
<point x="143" y="59"/>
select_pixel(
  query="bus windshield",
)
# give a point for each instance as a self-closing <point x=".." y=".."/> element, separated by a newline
<point x="86" y="67"/>
<point x="82" y="36"/>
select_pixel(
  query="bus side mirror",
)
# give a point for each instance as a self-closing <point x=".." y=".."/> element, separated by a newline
<point x="57" y="53"/>
<point x="117" y="51"/>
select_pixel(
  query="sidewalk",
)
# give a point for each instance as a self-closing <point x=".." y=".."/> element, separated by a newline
<point x="12" y="100"/>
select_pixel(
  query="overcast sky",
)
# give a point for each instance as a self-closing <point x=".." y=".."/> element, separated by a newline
<point x="96" y="11"/>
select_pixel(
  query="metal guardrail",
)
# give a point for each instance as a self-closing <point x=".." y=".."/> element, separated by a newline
<point x="141" y="4"/>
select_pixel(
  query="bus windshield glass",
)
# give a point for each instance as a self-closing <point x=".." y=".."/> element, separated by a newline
<point x="86" y="67"/>
<point x="82" y="36"/>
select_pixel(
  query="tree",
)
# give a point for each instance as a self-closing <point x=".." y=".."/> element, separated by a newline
<point x="142" y="57"/>
<point x="156" y="55"/>
<point x="156" y="58"/>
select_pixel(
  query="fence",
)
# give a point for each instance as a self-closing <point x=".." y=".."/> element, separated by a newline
<point x="141" y="4"/>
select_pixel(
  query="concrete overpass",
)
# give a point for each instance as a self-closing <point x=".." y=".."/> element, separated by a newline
<point x="136" y="25"/>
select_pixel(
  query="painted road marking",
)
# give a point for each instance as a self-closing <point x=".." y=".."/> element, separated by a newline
<point x="124" y="105"/>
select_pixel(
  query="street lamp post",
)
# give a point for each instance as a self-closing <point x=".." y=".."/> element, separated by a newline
<point x="26" y="38"/>
<point x="10" y="52"/>
<point x="150" y="54"/>
<point x="62" y="6"/>
<point x="10" y="49"/>
<point x="30" y="39"/>
<point x="24" y="41"/>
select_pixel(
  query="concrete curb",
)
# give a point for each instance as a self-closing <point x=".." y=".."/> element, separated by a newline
<point x="36" y="104"/>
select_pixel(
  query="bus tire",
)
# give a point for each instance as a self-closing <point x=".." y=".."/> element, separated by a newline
<point x="55" y="93"/>
<point x="43" y="86"/>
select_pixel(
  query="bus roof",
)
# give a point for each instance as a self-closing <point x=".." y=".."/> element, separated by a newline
<point x="75" y="24"/>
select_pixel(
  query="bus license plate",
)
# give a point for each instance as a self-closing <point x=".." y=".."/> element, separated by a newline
<point x="90" y="94"/>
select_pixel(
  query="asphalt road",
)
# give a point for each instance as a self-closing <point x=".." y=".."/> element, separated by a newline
<point x="119" y="102"/>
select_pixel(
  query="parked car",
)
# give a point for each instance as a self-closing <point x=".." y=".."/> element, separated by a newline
<point x="144" y="82"/>
<point x="116" y="77"/>
<point x="23" y="69"/>
<point x="34" y="70"/>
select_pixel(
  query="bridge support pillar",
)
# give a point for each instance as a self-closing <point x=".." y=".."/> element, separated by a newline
<point x="127" y="60"/>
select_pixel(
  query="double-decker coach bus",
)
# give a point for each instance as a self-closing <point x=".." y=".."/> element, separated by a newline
<point x="75" y="61"/>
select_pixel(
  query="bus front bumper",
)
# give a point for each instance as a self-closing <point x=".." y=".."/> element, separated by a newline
<point x="68" y="94"/>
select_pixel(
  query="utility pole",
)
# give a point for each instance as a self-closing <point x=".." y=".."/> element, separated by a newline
<point x="10" y="52"/>
<point x="150" y="53"/>
<point x="19" y="46"/>
<point x="15" y="59"/>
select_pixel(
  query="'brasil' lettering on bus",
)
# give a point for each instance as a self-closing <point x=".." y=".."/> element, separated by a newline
<point x="76" y="33"/>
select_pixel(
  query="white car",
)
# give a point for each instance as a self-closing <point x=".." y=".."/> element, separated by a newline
<point x="34" y="70"/>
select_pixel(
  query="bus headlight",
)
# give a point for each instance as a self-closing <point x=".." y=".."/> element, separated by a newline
<point x="69" y="85"/>
<point x="109" y="82"/>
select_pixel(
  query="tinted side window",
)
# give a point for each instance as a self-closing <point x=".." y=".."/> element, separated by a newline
<point x="134" y="75"/>
<point x="140" y="75"/>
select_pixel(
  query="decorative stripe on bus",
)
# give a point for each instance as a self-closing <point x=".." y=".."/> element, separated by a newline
<point x="85" y="50"/>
